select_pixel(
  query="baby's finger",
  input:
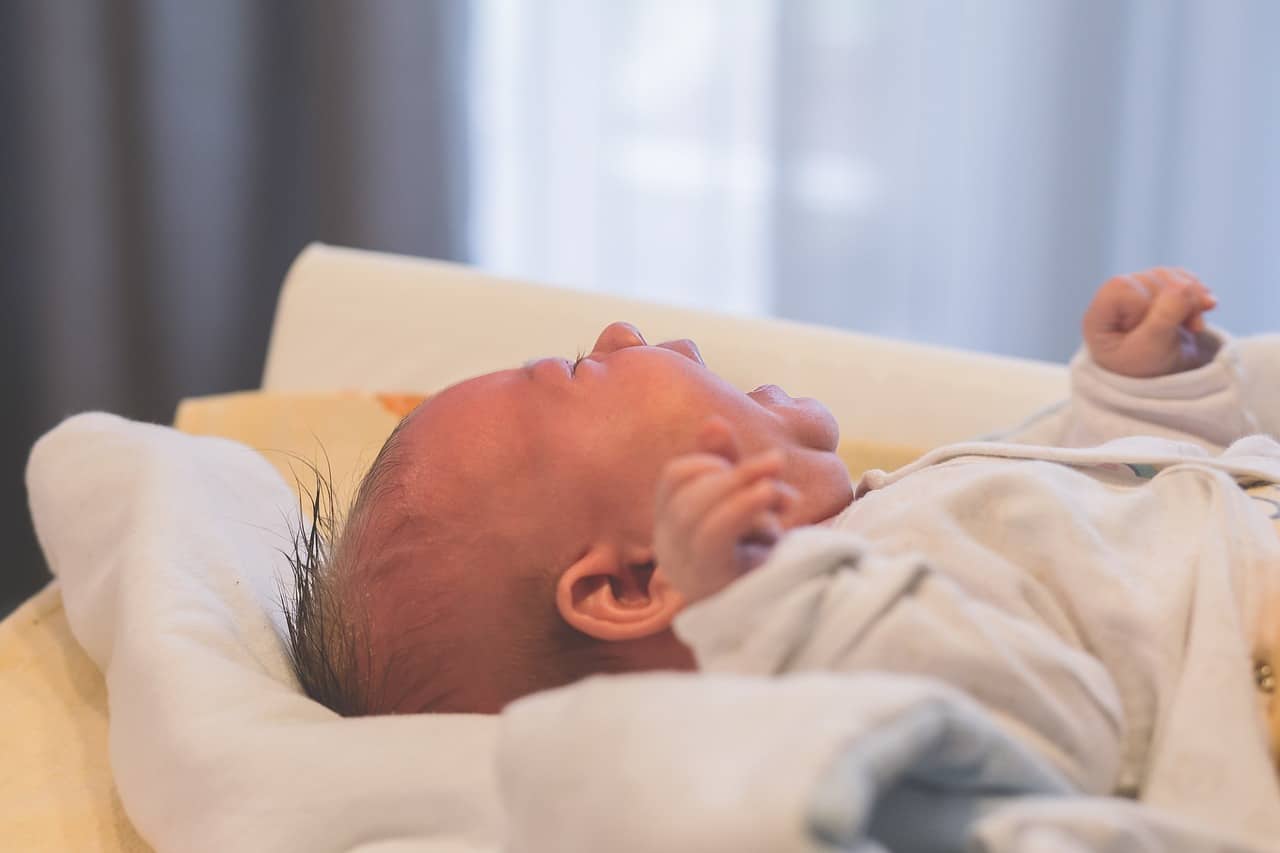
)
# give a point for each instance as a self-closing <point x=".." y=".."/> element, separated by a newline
<point x="735" y="518"/>
<point x="757" y="466"/>
<point x="680" y="471"/>
<point x="1207" y="301"/>
<point x="1180" y="275"/>
<point x="788" y="496"/>
<point x="697" y="496"/>
<point x="718" y="436"/>
<point x="1173" y="306"/>
<point x="766" y="527"/>
<point x="1196" y="323"/>
<point x="1119" y="305"/>
<point x="1151" y="282"/>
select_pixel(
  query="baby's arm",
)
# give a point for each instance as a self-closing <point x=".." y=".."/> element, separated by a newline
<point x="1150" y="366"/>
<point x="1260" y="367"/>
<point x="826" y="602"/>
<point x="717" y="515"/>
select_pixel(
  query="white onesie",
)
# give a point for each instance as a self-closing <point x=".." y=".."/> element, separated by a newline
<point x="1102" y="603"/>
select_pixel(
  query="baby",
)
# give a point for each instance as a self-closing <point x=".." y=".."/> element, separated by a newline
<point x="507" y="539"/>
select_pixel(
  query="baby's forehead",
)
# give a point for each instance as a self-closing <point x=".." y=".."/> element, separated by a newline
<point x="479" y="403"/>
<point x="478" y="424"/>
<point x="465" y="466"/>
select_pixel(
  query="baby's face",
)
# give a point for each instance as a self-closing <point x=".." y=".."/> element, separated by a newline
<point x="505" y="481"/>
<point x="587" y="442"/>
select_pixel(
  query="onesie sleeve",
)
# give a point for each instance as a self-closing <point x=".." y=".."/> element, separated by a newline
<point x="1209" y="406"/>
<point x="1260" y="368"/>
<point x="822" y="603"/>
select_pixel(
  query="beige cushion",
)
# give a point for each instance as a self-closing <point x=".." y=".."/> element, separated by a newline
<point x="338" y="432"/>
<point x="353" y="319"/>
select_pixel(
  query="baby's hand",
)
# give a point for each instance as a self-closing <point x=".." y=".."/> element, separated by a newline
<point x="1150" y="323"/>
<point x="717" y="517"/>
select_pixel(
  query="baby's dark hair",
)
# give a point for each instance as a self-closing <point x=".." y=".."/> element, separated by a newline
<point x="327" y="629"/>
<point x="341" y="562"/>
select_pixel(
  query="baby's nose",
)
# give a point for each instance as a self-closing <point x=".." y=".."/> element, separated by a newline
<point x="618" y="336"/>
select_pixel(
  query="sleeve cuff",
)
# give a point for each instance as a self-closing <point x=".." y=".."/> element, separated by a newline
<point x="1219" y="374"/>
<point x="766" y="610"/>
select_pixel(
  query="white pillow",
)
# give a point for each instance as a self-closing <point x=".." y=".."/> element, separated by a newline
<point x="168" y="549"/>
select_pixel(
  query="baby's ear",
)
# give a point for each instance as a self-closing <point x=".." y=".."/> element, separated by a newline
<point x="609" y="598"/>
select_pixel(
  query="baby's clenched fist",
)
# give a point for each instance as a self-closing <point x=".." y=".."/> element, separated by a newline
<point x="717" y="515"/>
<point x="1150" y="323"/>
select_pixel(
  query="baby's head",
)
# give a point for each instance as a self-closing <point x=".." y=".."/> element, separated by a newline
<point x="502" y="542"/>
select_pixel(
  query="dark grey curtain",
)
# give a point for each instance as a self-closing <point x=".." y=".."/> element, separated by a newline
<point x="160" y="165"/>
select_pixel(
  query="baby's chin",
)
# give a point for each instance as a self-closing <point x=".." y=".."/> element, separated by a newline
<point x="824" y="482"/>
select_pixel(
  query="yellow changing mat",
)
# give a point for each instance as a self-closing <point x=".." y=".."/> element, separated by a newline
<point x="56" y="792"/>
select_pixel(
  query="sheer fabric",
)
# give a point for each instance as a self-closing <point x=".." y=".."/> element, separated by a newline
<point x="958" y="172"/>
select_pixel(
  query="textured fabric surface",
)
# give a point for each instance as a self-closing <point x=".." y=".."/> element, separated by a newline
<point x="168" y="551"/>
<point x="1104" y="605"/>
<point x="720" y="763"/>
<point x="56" y="792"/>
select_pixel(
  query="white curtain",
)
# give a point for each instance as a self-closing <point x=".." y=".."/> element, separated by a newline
<point x="958" y="172"/>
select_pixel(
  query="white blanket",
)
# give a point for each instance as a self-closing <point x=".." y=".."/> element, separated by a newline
<point x="803" y="764"/>
<point x="721" y="763"/>
<point x="168" y="550"/>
